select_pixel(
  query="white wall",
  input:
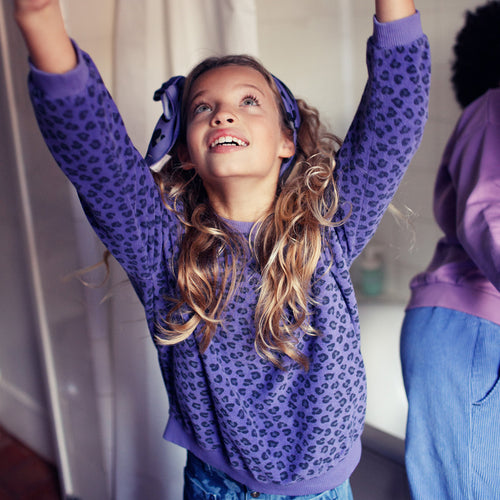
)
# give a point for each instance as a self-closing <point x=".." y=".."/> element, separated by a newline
<point x="22" y="395"/>
<point x="46" y="352"/>
<point x="318" y="48"/>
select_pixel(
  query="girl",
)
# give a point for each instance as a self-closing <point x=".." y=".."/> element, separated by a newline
<point x="240" y="247"/>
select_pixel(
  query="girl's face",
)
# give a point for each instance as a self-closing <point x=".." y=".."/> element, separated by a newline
<point x="234" y="127"/>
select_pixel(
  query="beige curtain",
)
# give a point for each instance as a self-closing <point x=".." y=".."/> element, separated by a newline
<point x="156" y="39"/>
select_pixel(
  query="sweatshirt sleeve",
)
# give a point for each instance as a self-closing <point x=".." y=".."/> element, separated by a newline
<point x="474" y="168"/>
<point x="386" y="130"/>
<point x="87" y="137"/>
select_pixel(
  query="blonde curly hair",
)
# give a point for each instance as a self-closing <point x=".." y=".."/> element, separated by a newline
<point x="286" y="242"/>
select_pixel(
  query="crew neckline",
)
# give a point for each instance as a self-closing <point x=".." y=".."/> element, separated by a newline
<point x="240" y="226"/>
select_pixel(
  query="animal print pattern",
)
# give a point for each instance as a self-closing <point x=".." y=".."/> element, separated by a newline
<point x="276" y="427"/>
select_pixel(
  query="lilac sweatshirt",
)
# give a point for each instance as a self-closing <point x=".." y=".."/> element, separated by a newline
<point x="464" y="273"/>
<point x="283" y="432"/>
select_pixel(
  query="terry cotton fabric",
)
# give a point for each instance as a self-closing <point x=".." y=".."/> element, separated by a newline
<point x="464" y="273"/>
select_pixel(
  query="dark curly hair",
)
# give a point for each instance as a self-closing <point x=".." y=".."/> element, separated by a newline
<point x="476" y="68"/>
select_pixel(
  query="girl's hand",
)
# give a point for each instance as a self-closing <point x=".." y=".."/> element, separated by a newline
<point x="42" y="26"/>
<point x="391" y="10"/>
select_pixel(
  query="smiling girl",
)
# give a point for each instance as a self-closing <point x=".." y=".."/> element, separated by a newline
<point x="239" y="247"/>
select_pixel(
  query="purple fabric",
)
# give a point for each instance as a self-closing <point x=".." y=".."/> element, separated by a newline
<point x="168" y="126"/>
<point x="464" y="273"/>
<point x="283" y="432"/>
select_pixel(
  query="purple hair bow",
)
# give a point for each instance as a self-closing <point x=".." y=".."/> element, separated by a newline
<point x="167" y="128"/>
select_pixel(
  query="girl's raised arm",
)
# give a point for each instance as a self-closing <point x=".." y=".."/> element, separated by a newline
<point x="42" y="26"/>
<point x="391" y="10"/>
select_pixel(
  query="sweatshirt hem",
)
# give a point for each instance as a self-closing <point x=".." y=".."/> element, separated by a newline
<point x="62" y="84"/>
<point x="460" y="298"/>
<point x="175" y="433"/>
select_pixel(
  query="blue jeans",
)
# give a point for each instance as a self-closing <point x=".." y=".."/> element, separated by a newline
<point x="451" y="364"/>
<point x="203" y="482"/>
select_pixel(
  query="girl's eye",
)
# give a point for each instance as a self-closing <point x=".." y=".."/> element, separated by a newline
<point x="250" y="100"/>
<point x="200" y="108"/>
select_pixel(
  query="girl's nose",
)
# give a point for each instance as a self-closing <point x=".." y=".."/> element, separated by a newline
<point x="223" y="116"/>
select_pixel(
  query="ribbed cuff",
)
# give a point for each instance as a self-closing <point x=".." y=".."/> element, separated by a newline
<point x="397" y="33"/>
<point x="62" y="84"/>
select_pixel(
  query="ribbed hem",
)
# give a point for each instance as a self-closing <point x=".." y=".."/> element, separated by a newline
<point x="397" y="33"/>
<point x="460" y="298"/>
<point x="62" y="84"/>
<point x="335" y="477"/>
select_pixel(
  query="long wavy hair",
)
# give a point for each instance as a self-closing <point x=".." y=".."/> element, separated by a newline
<point x="286" y="242"/>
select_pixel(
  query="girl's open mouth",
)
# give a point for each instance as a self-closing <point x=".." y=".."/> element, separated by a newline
<point x="228" y="141"/>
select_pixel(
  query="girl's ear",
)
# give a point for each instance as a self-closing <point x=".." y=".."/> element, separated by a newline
<point x="288" y="146"/>
<point x="183" y="155"/>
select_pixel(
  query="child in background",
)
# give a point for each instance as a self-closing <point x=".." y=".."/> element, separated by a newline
<point x="239" y="248"/>
<point x="450" y="340"/>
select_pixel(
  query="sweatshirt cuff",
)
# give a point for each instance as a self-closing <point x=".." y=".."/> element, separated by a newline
<point x="62" y="84"/>
<point x="397" y="33"/>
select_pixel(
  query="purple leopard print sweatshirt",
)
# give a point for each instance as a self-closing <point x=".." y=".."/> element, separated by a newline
<point x="288" y="432"/>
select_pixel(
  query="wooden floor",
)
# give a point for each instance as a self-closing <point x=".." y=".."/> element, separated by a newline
<point x="23" y="474"/>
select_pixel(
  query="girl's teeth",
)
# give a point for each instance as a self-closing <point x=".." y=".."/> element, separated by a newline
<point x="228" y="140"/>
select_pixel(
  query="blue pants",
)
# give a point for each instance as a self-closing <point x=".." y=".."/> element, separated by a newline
<point x="451" y="363"/>
<point x="203" y="482"/>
